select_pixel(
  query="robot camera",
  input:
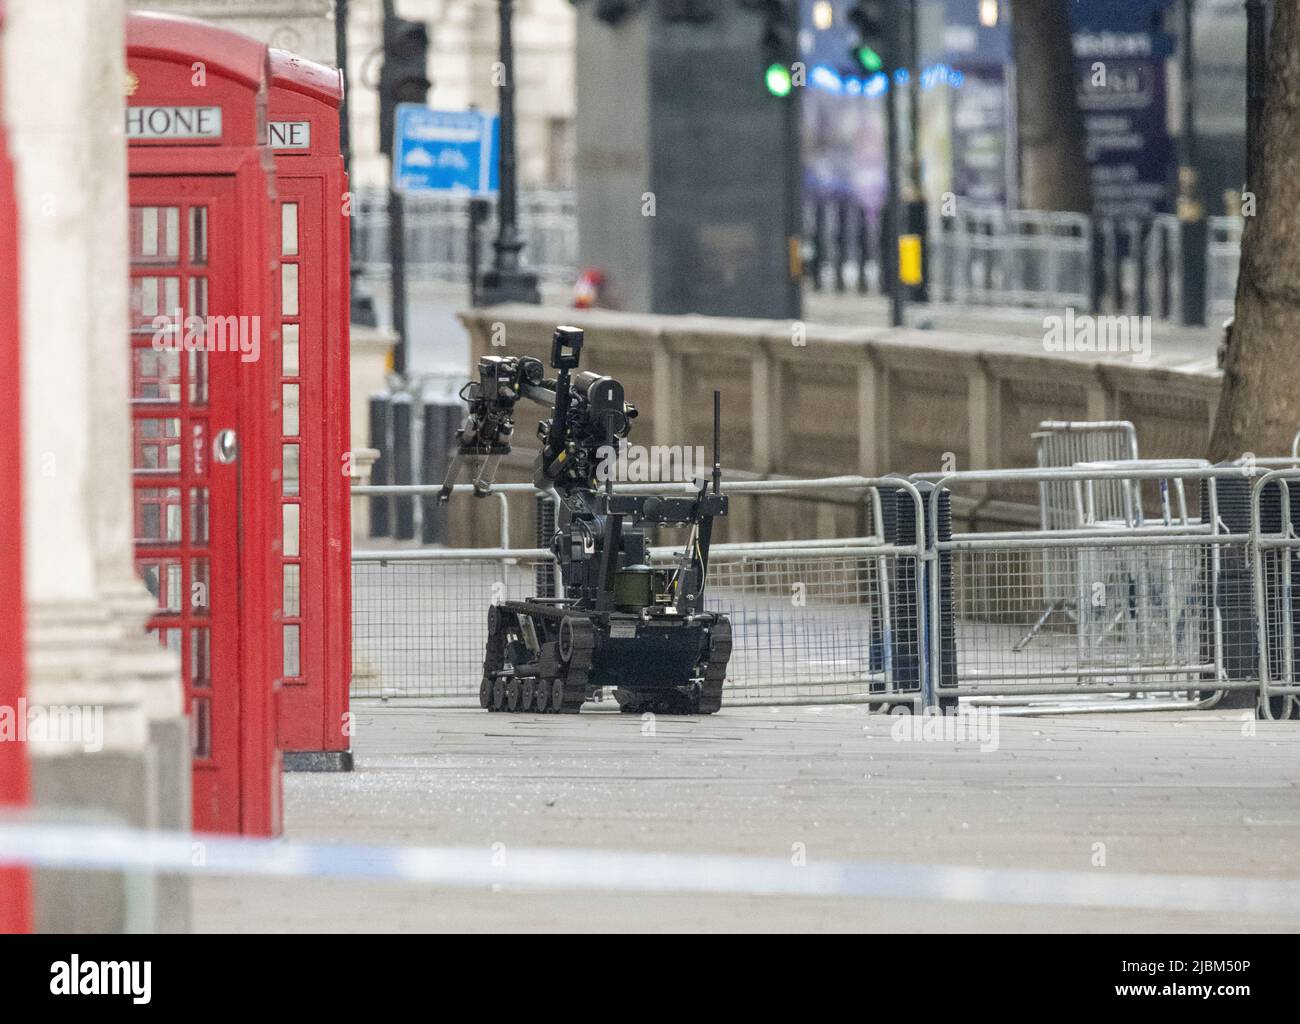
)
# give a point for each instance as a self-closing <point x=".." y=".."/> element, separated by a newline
<point x="566" y="348"/>
<point x="606" y="406"/>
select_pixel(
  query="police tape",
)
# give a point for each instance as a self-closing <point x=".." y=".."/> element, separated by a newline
<point x="101" y="848"/>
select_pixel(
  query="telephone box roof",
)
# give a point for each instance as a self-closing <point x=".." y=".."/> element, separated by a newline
<point x="317" y="81"/>
<point x="185" y="40"/>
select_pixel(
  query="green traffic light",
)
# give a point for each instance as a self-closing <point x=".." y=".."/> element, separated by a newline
<point x="868" y="58"/>
<point x="777" y="80"/>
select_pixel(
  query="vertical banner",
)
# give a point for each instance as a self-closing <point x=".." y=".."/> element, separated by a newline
<point x="1120" y="82"/>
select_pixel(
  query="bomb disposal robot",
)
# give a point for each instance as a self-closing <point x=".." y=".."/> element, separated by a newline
<point x="620" y="623"/>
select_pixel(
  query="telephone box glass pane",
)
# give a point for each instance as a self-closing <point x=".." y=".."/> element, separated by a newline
<point x="171" y="598"/>
<point x="291" y="666"/>
<point x="156" y="375"/>
<point x="198" y="297"/>
<point x="149" y="572"/>
<point x="163" y="580"/>
<point x="200" y="586"/>
<point x="289" y="469"/>
<point x="155" y="234"/>
<point x="153" y="297"/>
<point x="290" y="521"/>
<point x="289" y="360"/>
<point x="289" y="289"/>
<point x="289" y="229"/>
<point x="198" y="360"/>
<point x="201" y="727"/>
<point x="292" y="579"/>
<point x="157" y="515"/>
<point x="198" y="235"/>
<point x="157" y="444"/>
<point x="200" y="657"/>
<point x="289" y="401"/>
<point x="198" y="515"/>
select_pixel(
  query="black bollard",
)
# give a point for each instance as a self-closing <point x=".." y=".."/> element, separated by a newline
<point x="403" y="505"/>
<point x="819" y="244"/>
<point x="863" y="250"/>
<point x="440" y="422"/>
<point x="381" y="441"/>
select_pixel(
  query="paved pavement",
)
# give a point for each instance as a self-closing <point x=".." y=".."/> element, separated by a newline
<point x="1172" y="344"/>
<point x="1174" y="792"/>
<point x="440" y="345"/>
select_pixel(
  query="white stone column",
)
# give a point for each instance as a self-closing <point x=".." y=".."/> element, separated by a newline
<point x="86" y="607"/>
<point x="60" y="146"/>
<point x="137" y="660"/>
<point x="112" y="511"/>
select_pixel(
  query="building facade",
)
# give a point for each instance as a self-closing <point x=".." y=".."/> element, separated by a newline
<point x="462" y="64"/>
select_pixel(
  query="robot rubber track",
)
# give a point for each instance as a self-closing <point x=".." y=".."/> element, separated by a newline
<point x="561" y="682"/>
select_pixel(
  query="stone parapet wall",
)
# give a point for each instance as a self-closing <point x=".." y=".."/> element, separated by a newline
<point x="813" y="400"/>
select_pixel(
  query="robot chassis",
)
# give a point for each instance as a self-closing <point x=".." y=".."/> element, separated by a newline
<point x="620" y="623"/>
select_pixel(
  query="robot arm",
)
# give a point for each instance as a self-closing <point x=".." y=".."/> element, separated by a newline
<point x="485" y="435"/>
<point x="587" y="411"/>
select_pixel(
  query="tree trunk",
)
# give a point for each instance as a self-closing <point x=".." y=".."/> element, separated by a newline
<point x="1259" y="407"/>
<point x="1054" y="173"/>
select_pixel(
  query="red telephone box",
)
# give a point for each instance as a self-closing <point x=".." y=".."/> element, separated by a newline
<point x="314" y="631"/>
<point x="15" y="905"/>
<point x="204" y="334"/>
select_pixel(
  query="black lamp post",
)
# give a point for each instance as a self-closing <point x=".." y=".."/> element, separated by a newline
<point x="917" y="220"/>
<point x="507" y="281"/>
<point x="1192" y="227"/>
<point x="362" y="303"/>
<point x="1256" y="81"/>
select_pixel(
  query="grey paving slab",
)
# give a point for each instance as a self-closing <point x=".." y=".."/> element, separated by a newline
<point x="1196" y="792"/>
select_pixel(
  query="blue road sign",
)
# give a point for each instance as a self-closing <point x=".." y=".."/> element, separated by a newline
<point x="445" y="150"/>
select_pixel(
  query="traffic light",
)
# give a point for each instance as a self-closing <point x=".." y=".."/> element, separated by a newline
<point x="403" y="78"/>
<point x="780" y="46"/>
<point x="777" y="79"/>
<point x="870" y="20"/>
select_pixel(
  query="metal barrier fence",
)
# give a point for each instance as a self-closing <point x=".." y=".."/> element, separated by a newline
<point x="1157" y="607"/>
<point x="986" y="255"/>
<point x="812" y="620"/>
<point x="1223" y="259"/>
<point x="994" y="256"/>
<point x="419" y="624"/>
<point x="438" y="229"/>
<point x="1163" y="285"/>
<point x="1061" y="444"/>
<point x="1193" y="598"/>
<point x="1275" y="513"/>
<point x="983" y="255"/>
<point x="843" y="243"/>
<point x="1162" y="281"/>
<point x="813" y="624"/>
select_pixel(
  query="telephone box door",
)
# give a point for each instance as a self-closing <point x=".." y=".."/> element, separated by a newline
<point x="186" y="344"/>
